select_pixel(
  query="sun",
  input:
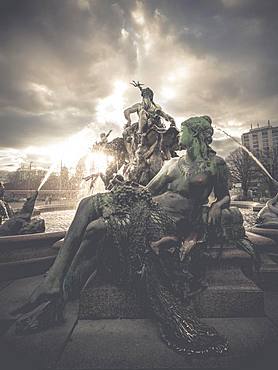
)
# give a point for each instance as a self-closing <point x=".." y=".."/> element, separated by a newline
<point x="98" y="162"/>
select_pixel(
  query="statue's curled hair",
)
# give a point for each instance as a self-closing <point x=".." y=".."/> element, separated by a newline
<point x="198" y="124"/>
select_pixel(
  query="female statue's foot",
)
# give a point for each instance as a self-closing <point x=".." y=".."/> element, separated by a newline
<point x="44" y="292"/>
<point x="42" y="317"/>
<point x="44" y="308"/>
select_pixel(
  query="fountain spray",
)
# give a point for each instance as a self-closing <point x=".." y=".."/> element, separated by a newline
<point x="275" y="182"/>
<point x="48" y="173"/>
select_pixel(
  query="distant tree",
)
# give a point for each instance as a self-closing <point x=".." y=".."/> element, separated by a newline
<point x="25" y="179"/>
<point x="270" y="160"/>
<point x="80" y="170"/>
<point x="241" y="168"/>
<point x="52" y="183"/>
<point x="64" y="174"/>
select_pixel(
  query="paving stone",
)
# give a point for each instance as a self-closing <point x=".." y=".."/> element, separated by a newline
<point x="3" y="284"/>
<point x="268" y="273"/>
<point x="37" y="351"/>
<point x="271" y="305"/>
<point x="133" y="344"/>
<point x="13" y="296"/>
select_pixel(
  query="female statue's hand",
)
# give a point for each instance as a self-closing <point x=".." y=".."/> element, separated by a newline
<point x="214" y="214"/>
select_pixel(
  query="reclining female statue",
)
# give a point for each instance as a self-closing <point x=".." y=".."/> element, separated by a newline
<point x="144" y="238"/>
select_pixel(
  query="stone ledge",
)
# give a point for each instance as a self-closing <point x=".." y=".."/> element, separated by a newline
<point x="230" y="302"/>
<point x="230" y="294"/>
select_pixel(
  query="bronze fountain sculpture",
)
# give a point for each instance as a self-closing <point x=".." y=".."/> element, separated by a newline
<point x="149" y="239"/>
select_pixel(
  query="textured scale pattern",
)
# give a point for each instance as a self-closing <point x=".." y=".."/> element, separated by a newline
<point x="134" y="221"/>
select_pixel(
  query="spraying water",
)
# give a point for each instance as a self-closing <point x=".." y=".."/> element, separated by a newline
<point x="48" y="173"/>
<point x="250" y="154"/>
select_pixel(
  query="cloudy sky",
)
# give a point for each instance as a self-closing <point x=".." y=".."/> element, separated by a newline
<point x="66" y="65"/>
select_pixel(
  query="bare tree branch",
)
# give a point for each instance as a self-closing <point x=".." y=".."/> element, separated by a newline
<point x="241" y="169"/>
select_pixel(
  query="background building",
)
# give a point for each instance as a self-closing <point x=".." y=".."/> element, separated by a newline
<point x="261" y="139"/>
<point x="263" y="143"/>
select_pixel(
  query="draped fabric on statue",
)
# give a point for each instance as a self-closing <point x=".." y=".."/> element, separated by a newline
<point x="134" y="221"/>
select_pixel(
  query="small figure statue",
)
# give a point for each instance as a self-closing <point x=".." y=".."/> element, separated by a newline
<point x="2" y="190"/>
<point x="5" y="210"/>
<point x="116" y="149"/>
<point x="106" y="148"/>
<point x="103" y="141"/>
<point x="148" y="111"/>
<point x="22" y="222"/>
<point x="104" y="137"/>
<point x="268" y="215"/>
<point x="93" y="177"/>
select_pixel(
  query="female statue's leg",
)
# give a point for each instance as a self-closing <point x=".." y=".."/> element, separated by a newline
<point x="84" y="263"/>
<point x="51" y="286"/>
<point x="46" y="305"/>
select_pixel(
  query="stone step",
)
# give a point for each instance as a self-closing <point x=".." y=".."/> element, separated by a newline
<point x="268" y="277"/>
<point x="230" y="294"/>
<point x="229" y="256"/>
<point x="107" y="301"/>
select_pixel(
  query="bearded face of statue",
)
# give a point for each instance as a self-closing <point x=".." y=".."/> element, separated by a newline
<point x="147" y="95"/>
<point x="147" y="102"/>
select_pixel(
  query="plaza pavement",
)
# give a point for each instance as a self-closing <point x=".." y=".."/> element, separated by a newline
<point x="127" y="343"/>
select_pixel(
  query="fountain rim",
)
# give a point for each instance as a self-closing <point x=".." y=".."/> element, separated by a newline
<point x="40" y="240"/>
<point x="31" y="237"/>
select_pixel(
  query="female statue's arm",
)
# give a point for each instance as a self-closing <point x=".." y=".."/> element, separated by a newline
<point x="158" y="184"/>
<point x="221" y="192"/>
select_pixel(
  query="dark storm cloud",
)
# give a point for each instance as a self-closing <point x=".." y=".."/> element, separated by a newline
<point x="241" y="35"/>
<point x="224" y="146"/>
<point x="59" y="61"/>
<point x="55" y="57"/>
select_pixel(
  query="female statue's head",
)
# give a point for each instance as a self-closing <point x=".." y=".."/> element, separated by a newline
<point x="196" y="136"/>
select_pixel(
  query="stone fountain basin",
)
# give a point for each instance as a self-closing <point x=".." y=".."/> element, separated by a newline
<point x="27" y="255"/>
<point x="270" y="233"/>
<point x="38" y="239"/>
<point x="263" y="242"/>
<point x="33" y="254"/>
